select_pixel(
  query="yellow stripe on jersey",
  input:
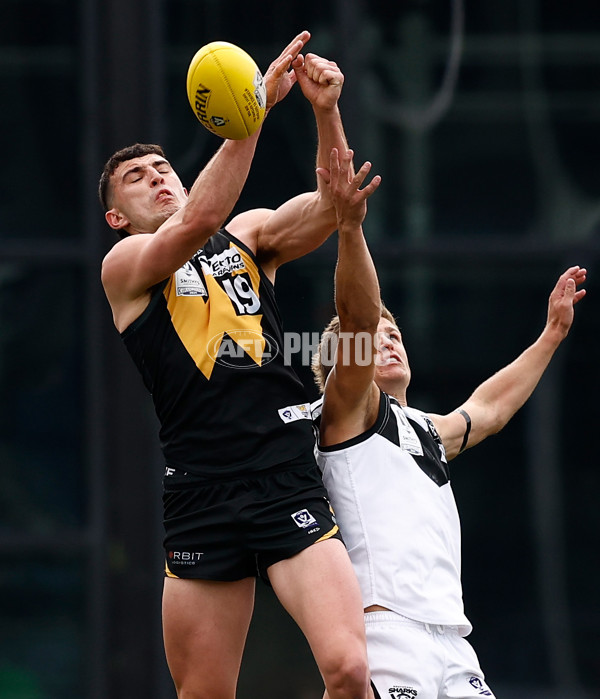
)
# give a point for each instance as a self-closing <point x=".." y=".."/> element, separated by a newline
<point x="232" y="308"/>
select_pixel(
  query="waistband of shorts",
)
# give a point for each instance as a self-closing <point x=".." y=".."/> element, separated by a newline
<point x="178" y="477"/>
<point x="396" y="618"/>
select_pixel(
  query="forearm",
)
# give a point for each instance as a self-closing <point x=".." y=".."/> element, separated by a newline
<point x="496" y="400"/>
<point x="218" y="187"/>
<point x="331" y="134"/>
<point x="357" y="293"/>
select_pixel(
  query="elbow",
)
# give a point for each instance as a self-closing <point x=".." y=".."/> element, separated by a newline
<point x="498" y="421"/>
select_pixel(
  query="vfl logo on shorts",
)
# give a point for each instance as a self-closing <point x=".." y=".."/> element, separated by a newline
<point x="304" y="519"/>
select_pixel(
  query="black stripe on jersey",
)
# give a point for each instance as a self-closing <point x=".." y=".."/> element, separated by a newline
<point x="386" y="425"/>
<point x="375" y="692"/>
<point x="430" y="462"/>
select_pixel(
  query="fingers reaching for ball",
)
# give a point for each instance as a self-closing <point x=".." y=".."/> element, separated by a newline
<point x="280" y="76"/>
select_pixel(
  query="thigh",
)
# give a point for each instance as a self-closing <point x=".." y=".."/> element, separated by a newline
<point x="204" y="537"/>
<point x="404" y="659"/>
<point x="290" y="512"/>
<point x="464" y="677"/>
<point x="319" y="589"/>
<point x="205" y="624"/>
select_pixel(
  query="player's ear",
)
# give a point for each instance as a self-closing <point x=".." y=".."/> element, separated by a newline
<point x="115" y="219"/>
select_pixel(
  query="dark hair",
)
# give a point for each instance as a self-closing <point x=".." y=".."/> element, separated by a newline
<point x="319" y="365"/>
<point x="135" y="151"/>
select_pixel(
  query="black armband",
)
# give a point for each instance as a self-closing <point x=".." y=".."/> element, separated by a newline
<point x="467" y="417"/>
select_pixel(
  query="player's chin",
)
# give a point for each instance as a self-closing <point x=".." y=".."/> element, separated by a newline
<point x="168" y="209"/>
<point x="391" y="370"/>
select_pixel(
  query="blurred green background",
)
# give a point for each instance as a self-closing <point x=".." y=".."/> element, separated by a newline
<point x="484" y="120"/>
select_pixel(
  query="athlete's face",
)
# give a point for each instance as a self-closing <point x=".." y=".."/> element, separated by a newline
<point x="146" y="191"/>
<point x="392" y="372"/>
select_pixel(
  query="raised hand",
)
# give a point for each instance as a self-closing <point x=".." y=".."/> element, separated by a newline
<point x="349" y="199"/>
<point x="320" y="80"/>
<point x="280" y="77"/>
<point x="563" y="298"/>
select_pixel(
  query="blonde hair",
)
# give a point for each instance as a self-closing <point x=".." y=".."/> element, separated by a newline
<point x="323" y="359"/>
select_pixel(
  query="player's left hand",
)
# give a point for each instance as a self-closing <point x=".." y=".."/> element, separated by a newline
<point x="563" y="298"/>
<point x="320" y="80"/>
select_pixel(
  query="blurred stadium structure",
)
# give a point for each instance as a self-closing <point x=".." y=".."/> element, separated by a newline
<point x="484" y="121"/>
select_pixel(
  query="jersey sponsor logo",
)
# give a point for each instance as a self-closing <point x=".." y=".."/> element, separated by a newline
<point x="304" y="519"/>
<point x="226" y="262"/>
<point x="409" y="441"/>
<point x="188" y="282"/>
<point x="242" y="348"/>
<point x="397" y="692"/>
<point x="295" y="412"/>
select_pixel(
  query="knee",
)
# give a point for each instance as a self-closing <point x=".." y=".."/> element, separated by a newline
<point x="183" y="693"/>
<point x="347" y="677"/>
<point x="196" y="690"/>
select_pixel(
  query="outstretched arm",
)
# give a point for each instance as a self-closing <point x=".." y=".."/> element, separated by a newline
<point x="140" y="261"/>
<point x="498" y="398"/>
<point x="351" y="396"/>
<point x="304" y="222"/>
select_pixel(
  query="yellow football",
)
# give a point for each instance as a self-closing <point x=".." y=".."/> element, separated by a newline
<point x="226" y="90"/>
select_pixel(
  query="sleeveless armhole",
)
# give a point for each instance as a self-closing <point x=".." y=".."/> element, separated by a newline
<point x="156" y="295"/>
<point x="377" y="427"/>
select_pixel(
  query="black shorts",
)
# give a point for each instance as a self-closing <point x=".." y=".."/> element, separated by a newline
<point x="236" y="528"/>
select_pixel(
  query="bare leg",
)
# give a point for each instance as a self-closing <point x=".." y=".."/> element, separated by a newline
<point x="205" y="624"/>
<point x="320" y="591"/>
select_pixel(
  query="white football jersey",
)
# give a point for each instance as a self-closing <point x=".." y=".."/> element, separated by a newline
<point x="390" y="491"/>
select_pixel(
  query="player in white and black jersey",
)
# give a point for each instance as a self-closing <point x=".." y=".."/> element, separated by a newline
<point x="385" y="466"/>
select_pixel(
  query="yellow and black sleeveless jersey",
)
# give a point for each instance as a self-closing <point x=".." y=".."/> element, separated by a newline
<point x="210" y="349"/>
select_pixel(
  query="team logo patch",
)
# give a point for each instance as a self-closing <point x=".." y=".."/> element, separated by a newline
<point x="397" y="692"/>
<point x="476" y="683"/>
<point x="188" y="282"/>
<point x="304" y="519"/>
<point x="295" y="412"/>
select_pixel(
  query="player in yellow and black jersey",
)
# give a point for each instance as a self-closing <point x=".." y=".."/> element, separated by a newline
<point x="196" y="309"/>
<point x="210" y="349"/>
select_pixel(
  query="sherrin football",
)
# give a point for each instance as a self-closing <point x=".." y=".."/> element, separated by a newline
<point x="226" y="90"/>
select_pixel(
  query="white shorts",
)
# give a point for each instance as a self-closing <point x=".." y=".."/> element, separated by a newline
<point x="411" y="660"/>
